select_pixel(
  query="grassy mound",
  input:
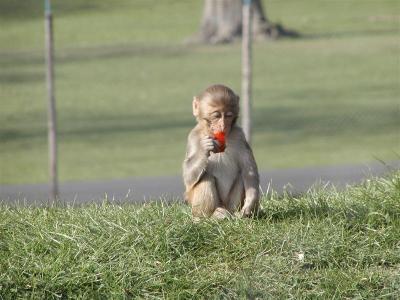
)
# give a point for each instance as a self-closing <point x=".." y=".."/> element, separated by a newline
<point x="323" y="244"/>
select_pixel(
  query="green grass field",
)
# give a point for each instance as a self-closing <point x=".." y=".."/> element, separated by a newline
<point x="323" y="245"/>
<point x="124" y="83"/>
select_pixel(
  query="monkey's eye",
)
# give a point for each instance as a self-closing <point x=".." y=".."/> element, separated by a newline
<point x="216" y="115"/>
<point x="229" y="114"/>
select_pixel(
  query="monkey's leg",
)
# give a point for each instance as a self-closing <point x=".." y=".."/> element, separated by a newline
<point x="236" y="196"/>
<point x="204" y="197"/>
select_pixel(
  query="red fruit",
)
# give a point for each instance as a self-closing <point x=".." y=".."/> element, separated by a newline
<point x="220" y="137"/>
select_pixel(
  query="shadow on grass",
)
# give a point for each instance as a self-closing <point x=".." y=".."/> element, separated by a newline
<point x="30" y="9"/>
<point x="291" y="124"/>
<point x="350" y="34"/>
<point x="301" y="123"/>
<point x="92" y="53"/>
<point x="88" y="54"/>
<point x="101" y="126"/>
<point x="22" y="77"/>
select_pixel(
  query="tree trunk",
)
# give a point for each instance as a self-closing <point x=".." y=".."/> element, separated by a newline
<point x="222" y="23"/>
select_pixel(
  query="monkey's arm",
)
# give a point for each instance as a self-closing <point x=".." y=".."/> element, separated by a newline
<point x="251" y="181"/>
<point x="196" y="160"/>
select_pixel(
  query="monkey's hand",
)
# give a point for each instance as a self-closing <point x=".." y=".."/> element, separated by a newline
<point x="209" y="145"/>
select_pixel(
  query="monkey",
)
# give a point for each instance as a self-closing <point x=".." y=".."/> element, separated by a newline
<point x="220" y="174"/>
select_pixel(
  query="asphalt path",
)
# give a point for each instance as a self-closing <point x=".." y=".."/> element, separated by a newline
<point x="170" y="188"/>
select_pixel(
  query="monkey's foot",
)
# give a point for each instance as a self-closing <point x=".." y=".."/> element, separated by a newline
<point x="221" y="213"/>
<point x="196" y="219"/>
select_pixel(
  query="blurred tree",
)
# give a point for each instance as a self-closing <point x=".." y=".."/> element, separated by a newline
<point x="222" y="23"/>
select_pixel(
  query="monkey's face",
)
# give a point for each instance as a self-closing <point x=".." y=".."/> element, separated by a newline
<point x="217" y="110"/>
<point x="219" y="117"/>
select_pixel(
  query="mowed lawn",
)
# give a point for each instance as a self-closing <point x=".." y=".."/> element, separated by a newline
<point x="125" y="81"/>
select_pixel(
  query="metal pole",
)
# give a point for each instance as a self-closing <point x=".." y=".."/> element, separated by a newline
<point x="246" y="69"/>
<point x="51" y="106"/>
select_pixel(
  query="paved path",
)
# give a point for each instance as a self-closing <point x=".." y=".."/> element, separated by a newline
<point x="171" y="188"/>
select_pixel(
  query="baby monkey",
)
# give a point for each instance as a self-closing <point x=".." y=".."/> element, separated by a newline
<point x="219" y="170"/>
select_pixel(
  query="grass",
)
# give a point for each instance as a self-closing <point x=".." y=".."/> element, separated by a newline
<point x="322" y="245"/>
<point x="125" y="82"/>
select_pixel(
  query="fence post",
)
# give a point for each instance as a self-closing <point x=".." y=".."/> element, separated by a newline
<point x="246" y="69"/>
<point x="51" y="105"/>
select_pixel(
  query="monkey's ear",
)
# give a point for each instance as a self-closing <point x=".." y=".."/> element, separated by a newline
<point x="196" y="106"/>
<point x="237" y="98"/>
